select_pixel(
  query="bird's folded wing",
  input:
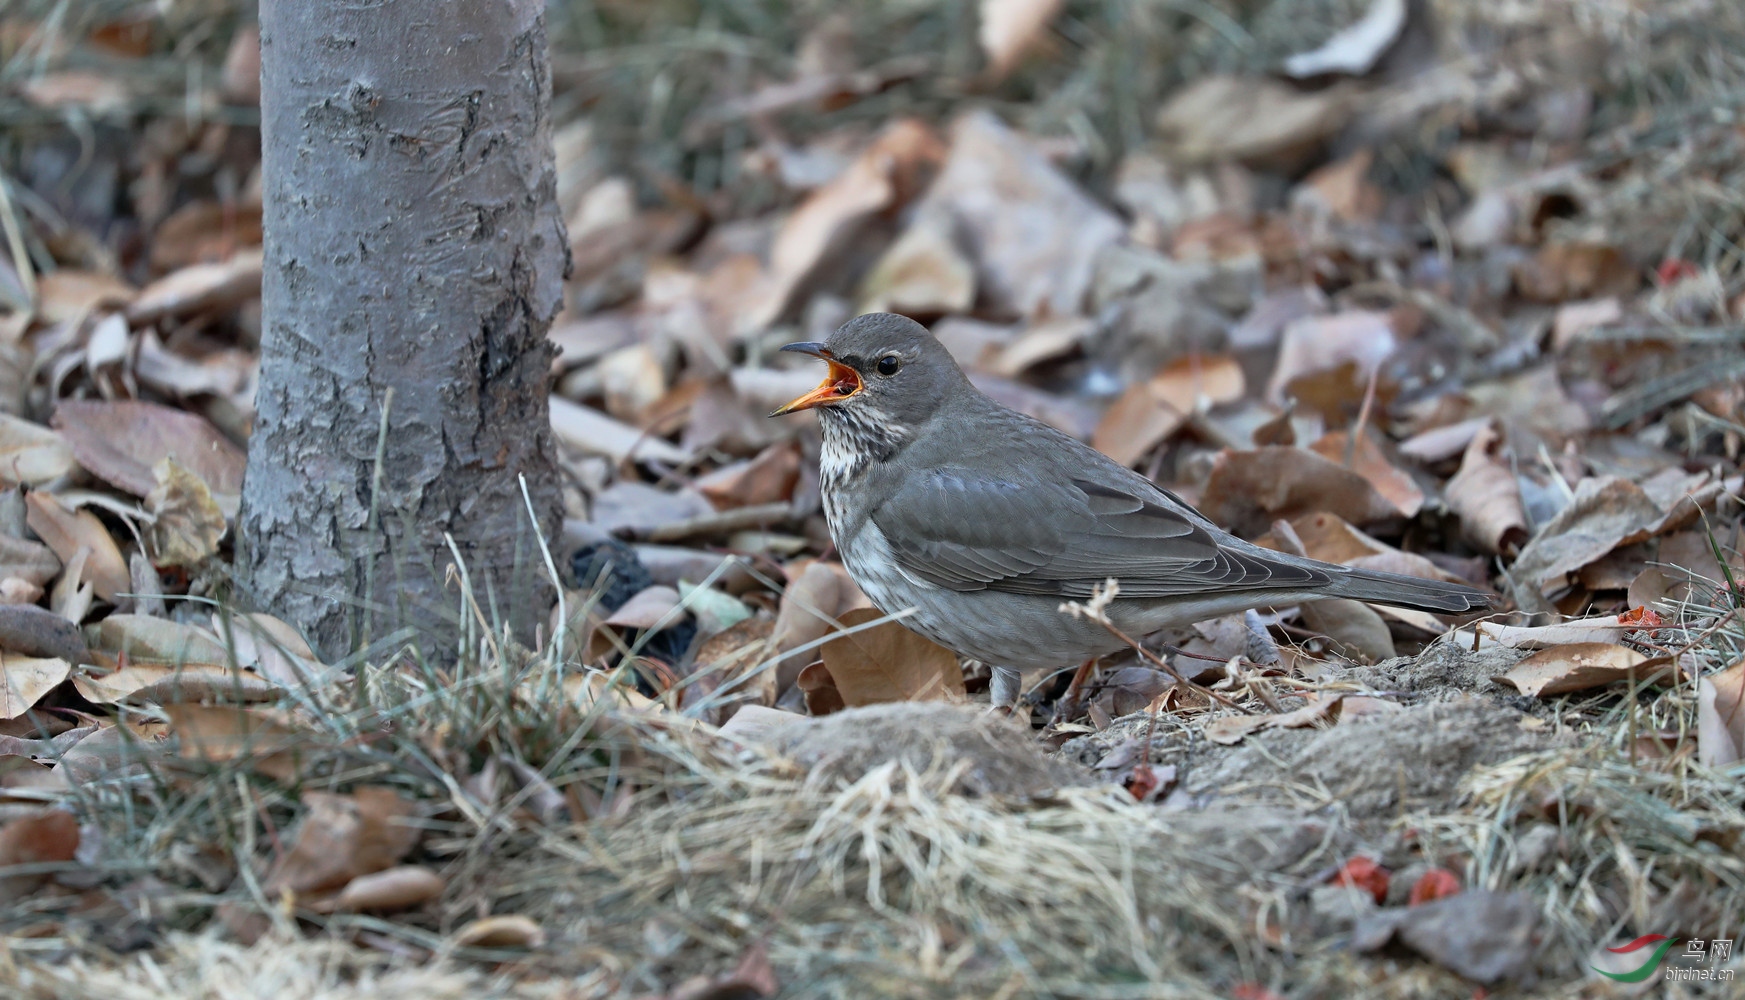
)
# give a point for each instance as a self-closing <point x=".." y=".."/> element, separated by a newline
<point x="964" y="531"/>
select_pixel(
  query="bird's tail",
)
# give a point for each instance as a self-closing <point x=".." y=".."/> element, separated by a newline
<point x="1409" y="592"/>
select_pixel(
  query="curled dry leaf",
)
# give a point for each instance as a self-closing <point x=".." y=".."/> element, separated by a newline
<point x="888" y="662"/>
<point x="165" y="684"/>
<point x="922" y="274"/>
<point x="68" y="531"/>
<point x="399" y="888"/>
<point x="768" y="478"/>
<point x="820" y="691"/>
<point x="1605" y="629"/>
<point x="1148" y="412"/>
<point x="504" y="931"/>
<point x="68" y="294"/>
<point x="188" y="522"/>
<point x="1488" y="499"/>
<point x="199" y="287"/>
<point x="1721" y="717"/>
<point x="1605" y="513"/>
<point x="813" y="601"/>
<point x="122" y="442"/>
<point x="25" y="679"/>
<point x="273" y="647"/>
<point x="1442" y="443"/>
<point x="31" y="454"/>
<point x="1583" y="665"/>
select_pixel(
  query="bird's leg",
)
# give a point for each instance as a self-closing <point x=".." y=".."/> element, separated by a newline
<point x="1004" y="687"/>
<point x="1067" y="708"/>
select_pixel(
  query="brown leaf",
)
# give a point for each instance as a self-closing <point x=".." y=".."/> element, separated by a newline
<point x="884" y="175"/>
<point x="393" y="889"/>
<point x="68" y="532"/>
<point x="1010" y="28"/>
<point x="1604" y="630"/>
<point x="1442" y="443"/>
<point x="888" y="662"/>
<point x="1342" y="190"/>
<point x="68" y="294"/>
<point x="343" y="837"/>
<point x="1721" y="717"/>
<point x="503" y="931"/>
<point x="1321" y="343"/>
<point x="30" y="453"/>
<point x="49" y="836"/>
<point x="1580" y="666"/>
<point x="167" y="684"/>
<point x="591" y="432"/>
<point x="188" y="521"/>
<point x="142" y="638"/>
<point x="1564" y="271"/>
<point x="272" y="646"/>
<point x="229" y="732"/>
<point x="1487" y="497"/>
<point x="24" y="680"/>
<point x="1134" y="424"/>
<point x="819" y="688"/>
<point x="813" y="600"/>
<point x="1248" y="490"/>
<point x="768" y="478"/>
<point x="199" y="288"/>
<point x="1605" y="512"/>
<point x="1367" y="460"/>
<point x="122" y="442"/>
<point x="1329" y="539"/>
<point x="1574" y="319"/>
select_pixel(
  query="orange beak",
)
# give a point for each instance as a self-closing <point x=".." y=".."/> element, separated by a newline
<point x="840" y="382"/>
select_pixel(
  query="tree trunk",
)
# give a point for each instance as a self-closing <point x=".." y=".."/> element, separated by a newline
<point x="414" y="261"/>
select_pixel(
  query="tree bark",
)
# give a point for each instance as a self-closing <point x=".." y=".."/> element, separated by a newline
<point x="414" y="261"/>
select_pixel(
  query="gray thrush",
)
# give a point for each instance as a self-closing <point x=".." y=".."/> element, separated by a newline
<point x="985" y="520"/>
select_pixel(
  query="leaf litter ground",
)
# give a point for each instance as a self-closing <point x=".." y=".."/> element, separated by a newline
<point x="1460" y="298"/>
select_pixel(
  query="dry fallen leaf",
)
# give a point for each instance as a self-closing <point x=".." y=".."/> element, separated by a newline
<point x="1229" y="730"/>
<point x="188" y="522"/>
<point x="24" y="680"/>
<point x="1606" y="629"/>
<point x="1321" y="343"/>
<point x="68" y="532"/>
<point x="390" y="890"/>
<point x="815" y="597"/>
<point x="888" y="662"/>
<point x="1367" y="460"/>
<point x="199" y="287"/>
<point x="1721" y="717"/>
<point x="47" y="836"/>
<point x="1148" y="412"/>
<point x="819" y="690"/>
<point x="218" y="733"/>
<point x="1488" y="499"/>
<point x="1579" y="666"/>
<point x="1356" y="630"/>
<point x="1250" y="119"/>
<point x="30" y="453"/>
<point x="343" y="837"/>
<point x="32" y="562"/>
<point x="122" y="442"/>
<point x="768" y="478"/>
<point x="504" y="931"/>
<point x="923" y="273"/>
<point x="1248" y="490"/>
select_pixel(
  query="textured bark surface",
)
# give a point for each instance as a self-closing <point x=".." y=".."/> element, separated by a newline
<point x="413" y="245"/>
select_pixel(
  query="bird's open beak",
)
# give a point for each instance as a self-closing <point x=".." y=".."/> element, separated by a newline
<point x="840" y="382"/>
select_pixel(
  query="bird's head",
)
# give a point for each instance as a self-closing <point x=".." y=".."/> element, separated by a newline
<point x="883" y="366"/>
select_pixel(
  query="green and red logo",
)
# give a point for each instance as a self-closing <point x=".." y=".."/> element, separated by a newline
<point x="1662" y="944"/>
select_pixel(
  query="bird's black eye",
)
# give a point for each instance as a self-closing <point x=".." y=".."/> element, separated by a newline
<point x="888" y="364"/>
